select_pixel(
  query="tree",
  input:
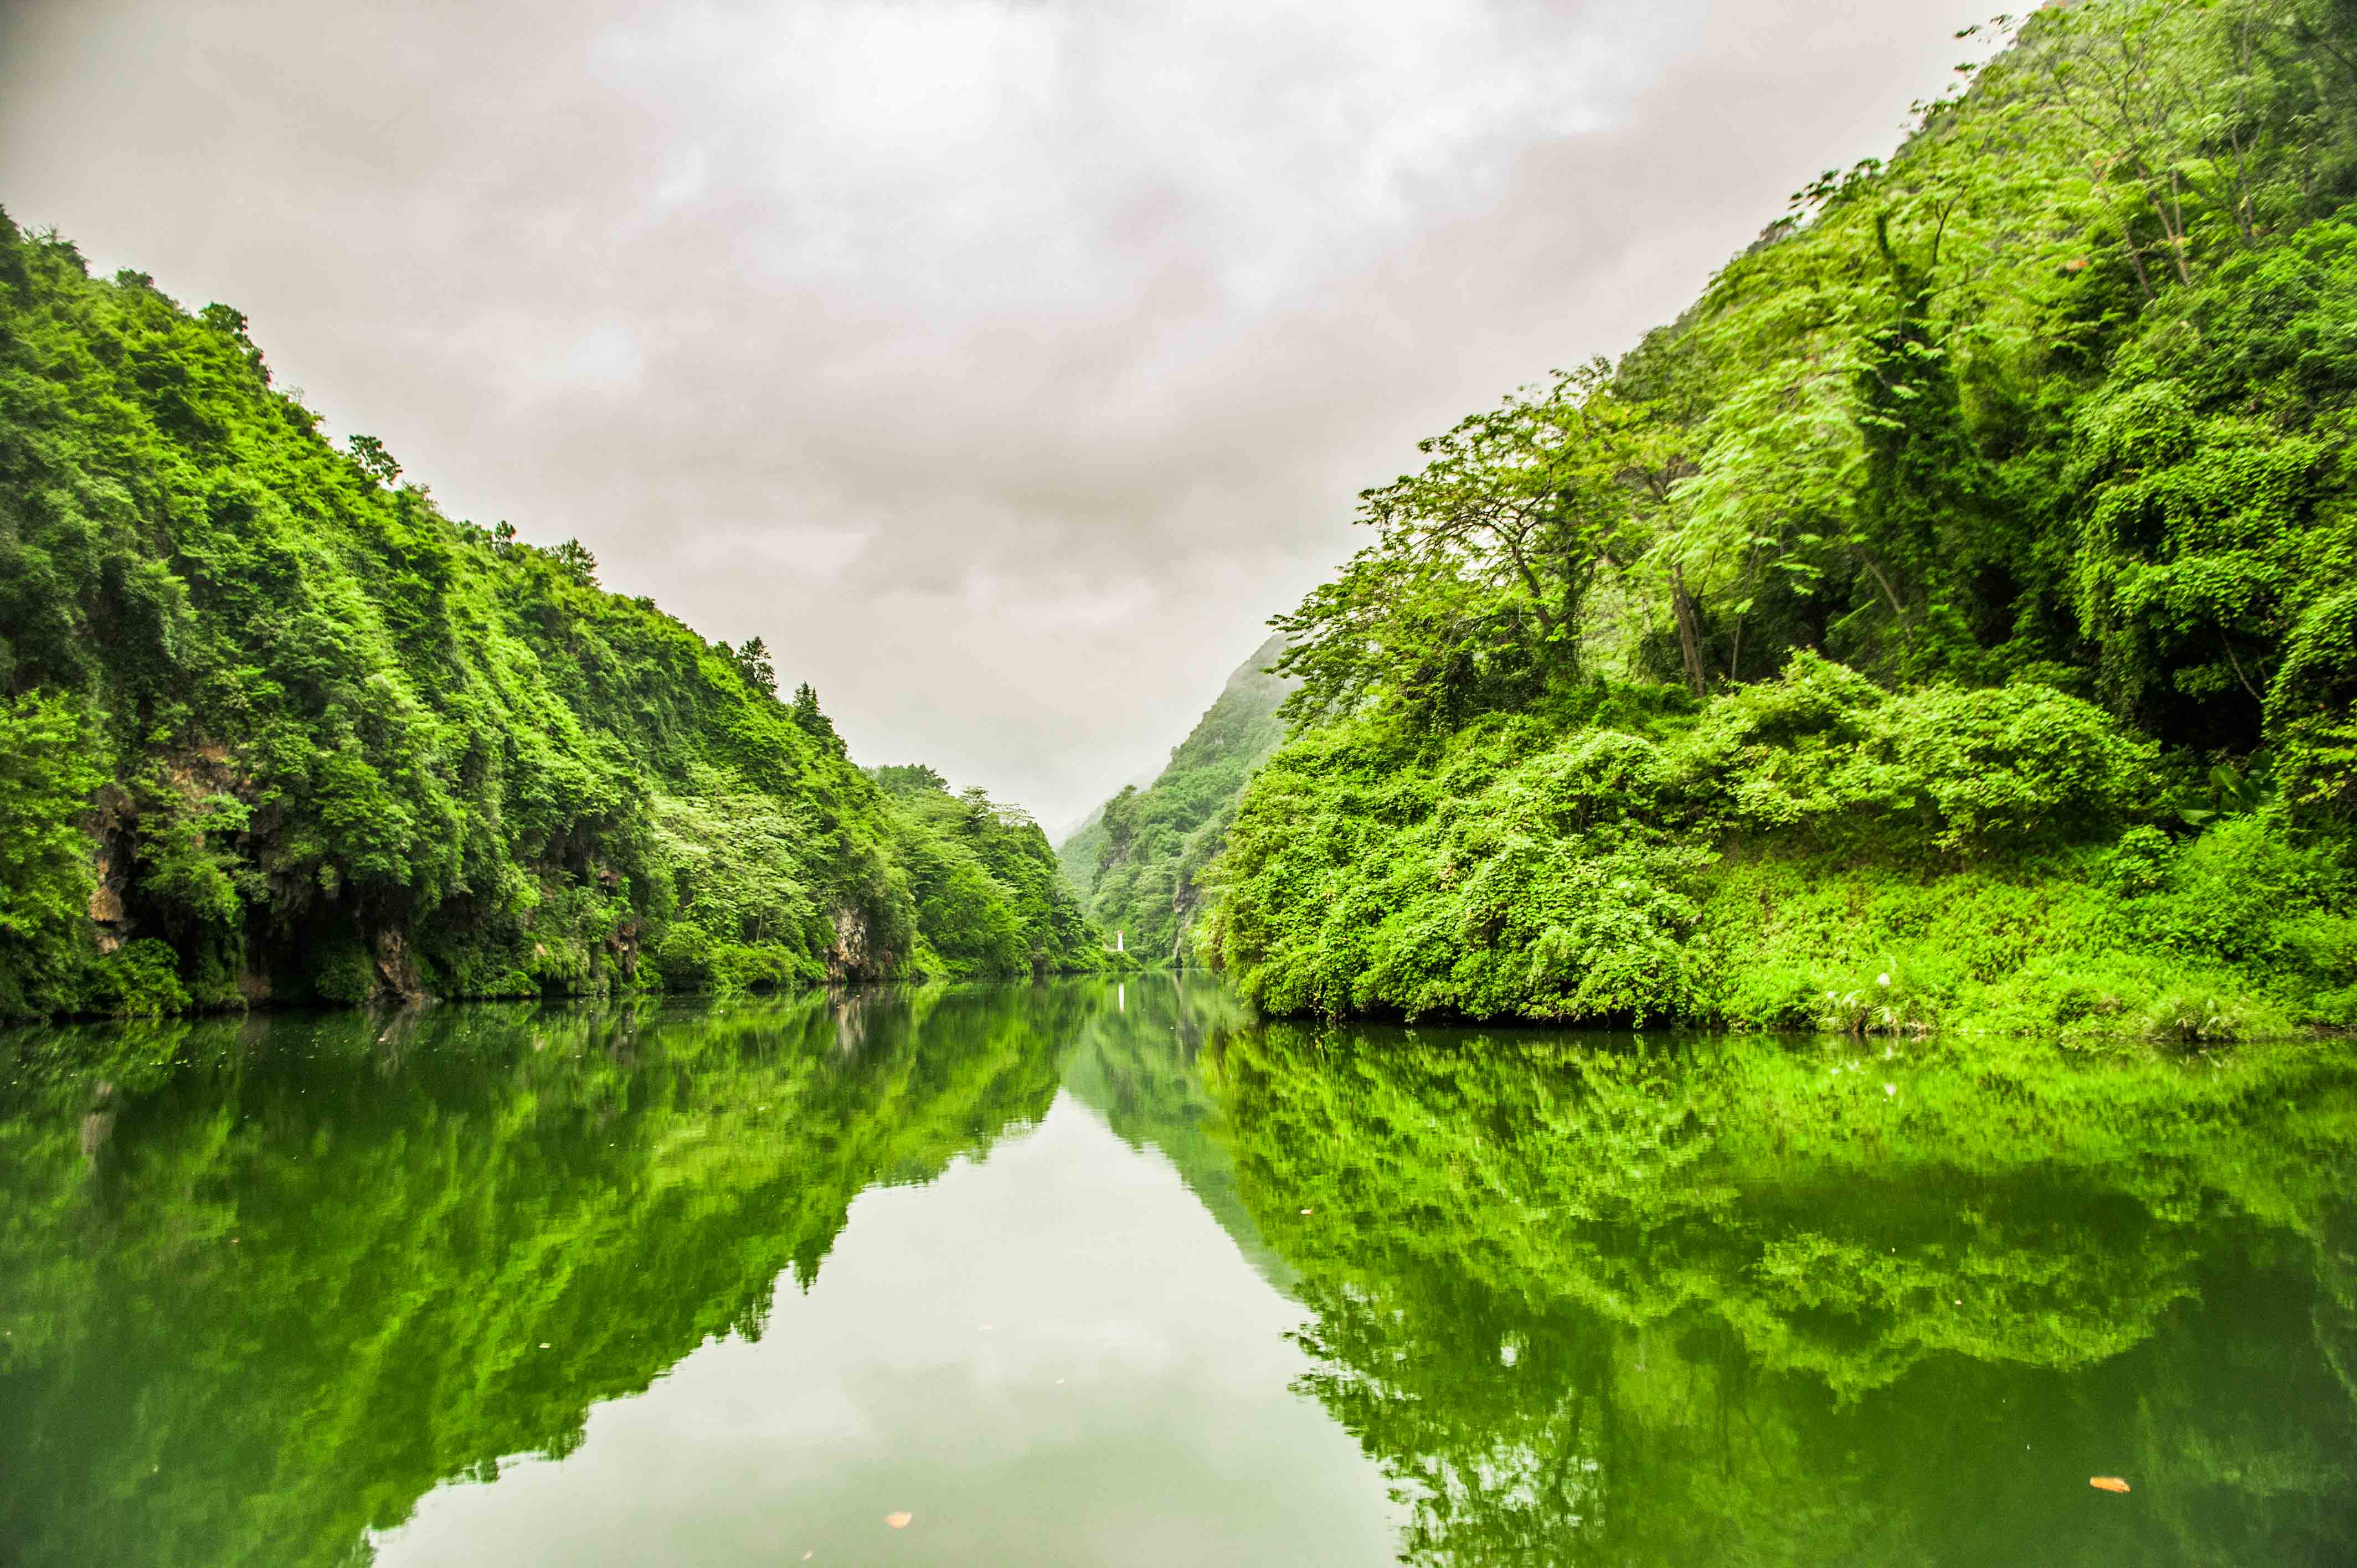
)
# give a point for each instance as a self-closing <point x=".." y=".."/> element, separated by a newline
<point x="752" y="662"/>
<point x="578" y="561"/>
<point x="814" y="722"/>
<point x="374" y="460"/>
<point x="47" y="774"/>
<point x="2170" y="101"/>
<point x="909" y="779"/>
<point x="1475" y="591"/>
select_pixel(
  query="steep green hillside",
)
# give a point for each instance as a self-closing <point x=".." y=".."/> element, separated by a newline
<point x="1136" y="864"/>
<point x="273" y="727"/>
<point x="990" y="897"/>
<point x="1950" y="620"/>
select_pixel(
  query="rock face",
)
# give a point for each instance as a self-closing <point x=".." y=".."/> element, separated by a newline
<point x="254" y="980"/>
<point x="850" y="958"/>
<point x="396" y="969"/>
<point x="108" y="919"/>
<point x="110" y="866"/>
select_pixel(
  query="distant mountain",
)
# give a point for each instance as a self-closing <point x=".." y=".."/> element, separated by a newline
<point x="1134" y="858"/>
<point x="1075" y="827"/>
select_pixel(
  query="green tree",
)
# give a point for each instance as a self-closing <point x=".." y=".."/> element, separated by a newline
<point x="48" y="771"/>
<point x="370" y="454"/>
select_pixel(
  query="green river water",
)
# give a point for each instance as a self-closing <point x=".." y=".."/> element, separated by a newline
<point x="1109" y="1272"/>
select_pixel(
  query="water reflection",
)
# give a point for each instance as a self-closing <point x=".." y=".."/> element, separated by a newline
<point x="1745" y="1301"/>
<point x="267" y="1285"/>
<point x="303" y="1276"/>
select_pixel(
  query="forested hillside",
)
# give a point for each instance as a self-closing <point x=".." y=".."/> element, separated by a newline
<point x="1950" y="620"/>
<point x="273" y="727"/>
<point x="1136" y="864"/>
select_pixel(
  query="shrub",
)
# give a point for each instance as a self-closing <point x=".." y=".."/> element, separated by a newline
<point x="1978" y="770"/>
<point x="341" y="970"/>
<point x="2197" y="1017"/>
<point x="684" y="955"/>
<point x="2009" y="768"/>
<point x="139" y="980"/>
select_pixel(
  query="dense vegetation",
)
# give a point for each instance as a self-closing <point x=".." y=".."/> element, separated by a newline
<point x="274" y="726"/>
<point x="1951" y="619"/>
<point x="1138" y="861"/>
<point x="990" y="896"/>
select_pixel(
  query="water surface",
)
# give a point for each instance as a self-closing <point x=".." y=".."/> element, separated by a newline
<point x="1109" y="1273"/>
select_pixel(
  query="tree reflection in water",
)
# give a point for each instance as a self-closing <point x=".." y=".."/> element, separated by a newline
<point x="264" y="1284"/>
<point x="1748" y="1300"/>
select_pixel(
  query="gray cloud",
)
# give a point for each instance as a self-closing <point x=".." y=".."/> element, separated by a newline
<point x="1004" y="362"/>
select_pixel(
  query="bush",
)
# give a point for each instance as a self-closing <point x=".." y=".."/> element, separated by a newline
<point x="2199" y="1017"/>
<point x="2249" y="891"/>
<point x="1975" y="770"/>
<point x="684" y="955"/>
<point x="139" y="980"/>
<point x="1963" y="843"/>
<point x="741" y="966"/>
<point x="342" y="972"/>
<point x="2011" y="768"/>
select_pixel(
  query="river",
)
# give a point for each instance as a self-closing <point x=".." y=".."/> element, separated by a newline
<point x="1110" y="1272"/>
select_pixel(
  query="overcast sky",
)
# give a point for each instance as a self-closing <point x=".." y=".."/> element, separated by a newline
<point x="1004" y="363"/>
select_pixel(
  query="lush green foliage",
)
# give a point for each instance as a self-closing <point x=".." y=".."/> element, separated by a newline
<point x="990" y="896"/>
<point x="341" y="744"/>
<point x="1138" y="861"/>
<point x="1805" y="851"/>
<point x="1994" y="503"/>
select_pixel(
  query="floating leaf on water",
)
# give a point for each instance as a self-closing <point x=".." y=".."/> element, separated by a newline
<point x="2107" y="1483"/>
<point x="898" y="1521"/>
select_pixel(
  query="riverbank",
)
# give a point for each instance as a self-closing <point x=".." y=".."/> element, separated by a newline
<point x="1804" y="854"/>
